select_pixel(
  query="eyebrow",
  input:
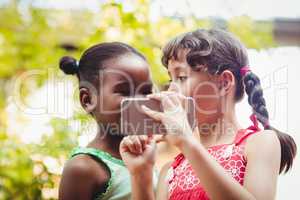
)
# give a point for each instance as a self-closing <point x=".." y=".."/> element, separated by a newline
<point x="149" y="84"/>
<point x="176" y="69"/>
<point x="120" y="82"/>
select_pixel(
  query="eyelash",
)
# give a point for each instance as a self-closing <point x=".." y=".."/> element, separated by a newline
<point x="180" y="78"/>
<point x="125" y="92"/>
<point x="147" y="92"/>
<point x="122" y="90"/>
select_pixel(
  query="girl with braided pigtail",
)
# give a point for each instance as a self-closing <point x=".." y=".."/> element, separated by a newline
<point x="225" y="161"/>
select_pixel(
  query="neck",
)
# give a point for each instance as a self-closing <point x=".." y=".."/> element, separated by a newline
<point x="107" y="142"/>
<point x="222" y="131"/>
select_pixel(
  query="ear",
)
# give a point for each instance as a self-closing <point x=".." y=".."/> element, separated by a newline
<point x="226" y="82"/>
<point x="87" y="100"/>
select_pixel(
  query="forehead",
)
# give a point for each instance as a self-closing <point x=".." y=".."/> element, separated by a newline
<point x="129" y="67"/>
<point x="178" y="63"/>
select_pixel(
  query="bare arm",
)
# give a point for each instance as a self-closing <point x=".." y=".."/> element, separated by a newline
<point x="81" y="179"/>
<point x="142" y="187"/>
<point x="263" y="162"/>
<point x="138" y="154"/>
<point x="162" y="186"/>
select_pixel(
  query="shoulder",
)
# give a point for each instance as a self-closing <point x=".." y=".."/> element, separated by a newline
<point x="81" y="179"/>
<point x="263" y="139"/>
<point x="263" y="155"/>
<point x="83" y="169"/>
<point x="264" y="144"/>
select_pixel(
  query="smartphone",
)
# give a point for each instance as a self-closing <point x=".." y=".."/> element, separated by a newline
<point x="135" y="122"/>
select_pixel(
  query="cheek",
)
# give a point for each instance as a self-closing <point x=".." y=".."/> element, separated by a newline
<point x="108" y="109"/>
<point x="109" y="100"/>
<point x="193" y="87"/>
<point x="186" y="87"/>
<point x="206" y="97"/>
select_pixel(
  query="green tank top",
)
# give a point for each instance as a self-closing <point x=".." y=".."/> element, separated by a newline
<point x="119" y="186"/>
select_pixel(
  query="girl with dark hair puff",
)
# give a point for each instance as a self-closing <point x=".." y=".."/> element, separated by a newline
<point x="107" y="73"/>
<point x="226" y="161"/>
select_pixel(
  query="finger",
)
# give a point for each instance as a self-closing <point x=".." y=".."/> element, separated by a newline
<point x="144" y="141"/>
<point x="129" y="145"/>
<point x="159" y="96"/>
<point x="137" y="144"/>
<point x="168" y="104"/>
<point x="153" y="114"/>
<point x="167" y="93"/>
<point x="156" y="96"/>
<point x="174" y="87"/>
<point x="171" y="93"/>
<point x="165" y="98"/>
<point x="123" y="146"/>
<point x="177" y="98"/>
<point x="159" y="138"/>
<point x="150" y="136"/>
<point x="152" y="142"/>
<point x="180" y="100"/>
<point x="150" y="148"/>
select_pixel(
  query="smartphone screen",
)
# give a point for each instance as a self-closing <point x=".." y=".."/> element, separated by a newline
<point x="135" y="122"/>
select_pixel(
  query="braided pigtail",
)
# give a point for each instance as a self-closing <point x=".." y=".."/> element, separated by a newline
<point x="257" y="102"/>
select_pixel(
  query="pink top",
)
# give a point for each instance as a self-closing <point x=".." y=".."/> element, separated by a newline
<point x="184" y="183"/>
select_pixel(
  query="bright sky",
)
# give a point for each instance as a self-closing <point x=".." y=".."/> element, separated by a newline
<point x="257" y="9"/>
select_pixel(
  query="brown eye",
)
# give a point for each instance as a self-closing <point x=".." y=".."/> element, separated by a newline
<point x="146" y="89"/>
<point x="125" y="92"/>
<point x="181" y="78"/>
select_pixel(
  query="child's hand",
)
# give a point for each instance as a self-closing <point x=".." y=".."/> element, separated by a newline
<point x="138" y="153"/>
<point x="174" y="117"/>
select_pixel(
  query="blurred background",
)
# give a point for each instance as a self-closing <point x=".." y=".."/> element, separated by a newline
<point x="40" y="116"/>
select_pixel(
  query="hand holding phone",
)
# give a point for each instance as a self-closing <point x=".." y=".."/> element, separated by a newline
<point x="135" y="122"/>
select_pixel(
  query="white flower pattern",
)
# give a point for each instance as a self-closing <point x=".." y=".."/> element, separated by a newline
<point x="231" y="157"/>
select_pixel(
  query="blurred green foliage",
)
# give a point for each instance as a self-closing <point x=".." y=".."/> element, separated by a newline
<point x="35" y="38"/>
